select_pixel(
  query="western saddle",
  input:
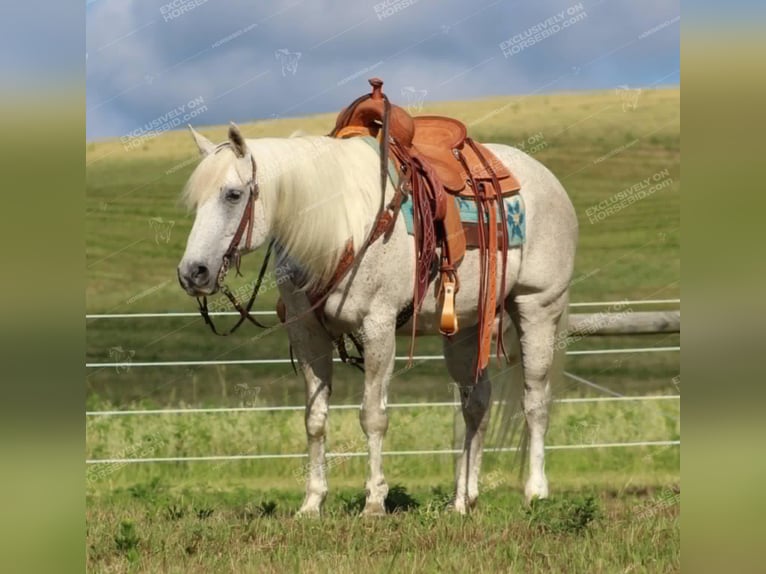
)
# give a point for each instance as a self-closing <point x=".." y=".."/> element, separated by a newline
<point x="435" y="161"/>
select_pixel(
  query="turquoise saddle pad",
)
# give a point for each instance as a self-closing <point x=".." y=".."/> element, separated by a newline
<point x="516" y="216"/>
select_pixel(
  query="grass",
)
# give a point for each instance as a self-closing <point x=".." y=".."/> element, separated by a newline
<point x="411" y="429"/>
<point x="183" y="530"/>
<point x="613" y="510"/>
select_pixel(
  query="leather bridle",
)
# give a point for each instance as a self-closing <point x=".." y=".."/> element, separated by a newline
<point x="233" y="255"/>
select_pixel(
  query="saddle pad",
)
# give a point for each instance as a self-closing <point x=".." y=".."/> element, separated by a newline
<point x="514" y="206"/>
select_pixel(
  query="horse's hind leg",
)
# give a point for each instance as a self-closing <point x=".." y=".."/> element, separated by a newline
<point x="536" y="321"/>
<point x="460" y="354"/>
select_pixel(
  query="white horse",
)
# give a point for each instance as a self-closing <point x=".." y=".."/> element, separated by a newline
<point x="314" y="194"/>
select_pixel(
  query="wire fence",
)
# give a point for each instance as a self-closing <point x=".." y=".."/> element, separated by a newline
<point x="266" y="409"/>
<point x="141" y="364"/>
<point x="274" y="456"/>
<point x="234" y="457"/>
<point x="272" y="409"/>
<point x="92" y="316"/>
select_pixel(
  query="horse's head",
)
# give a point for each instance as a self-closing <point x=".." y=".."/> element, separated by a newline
<point x="229" y="214"/>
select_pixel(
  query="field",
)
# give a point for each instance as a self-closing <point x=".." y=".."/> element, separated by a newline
<point x="613" y="509"/>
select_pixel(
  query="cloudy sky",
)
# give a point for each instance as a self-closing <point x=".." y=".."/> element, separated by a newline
<point x="148" y="60"/>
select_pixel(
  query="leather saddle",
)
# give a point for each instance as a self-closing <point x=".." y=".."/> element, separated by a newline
<point x="437" y="138"/>
<point x="436" y="160"/>
<point x="434" y="138"/>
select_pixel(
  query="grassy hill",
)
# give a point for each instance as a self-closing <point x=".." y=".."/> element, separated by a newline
<point x="596" y="146"/>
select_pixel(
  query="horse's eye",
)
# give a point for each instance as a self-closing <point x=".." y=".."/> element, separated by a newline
<point x="233" y="195"/>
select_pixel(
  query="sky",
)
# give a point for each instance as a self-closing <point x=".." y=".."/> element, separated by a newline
<point x="156" y="63"/>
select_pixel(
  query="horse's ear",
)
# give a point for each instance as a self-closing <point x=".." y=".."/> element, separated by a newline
<point x="237" y="140"/>
<point x="205" y="145"/>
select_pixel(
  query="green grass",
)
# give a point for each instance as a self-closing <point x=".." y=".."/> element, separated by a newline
<point x="411" y="429"/>
<point x="235" y="516"/>
<point x="153" y="527"/>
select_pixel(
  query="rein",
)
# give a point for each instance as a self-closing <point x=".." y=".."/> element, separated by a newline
<point x="233" y="255"/>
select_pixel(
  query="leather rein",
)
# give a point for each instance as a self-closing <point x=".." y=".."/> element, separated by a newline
<point x="233" y="255"/>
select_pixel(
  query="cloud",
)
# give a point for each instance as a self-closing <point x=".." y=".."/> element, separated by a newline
<point x="147" y="57"/>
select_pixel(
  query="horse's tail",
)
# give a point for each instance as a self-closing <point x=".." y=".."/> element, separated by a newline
<point x="508" y="428"/>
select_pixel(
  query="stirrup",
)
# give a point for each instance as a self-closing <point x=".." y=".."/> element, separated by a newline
<point x="448" y="323"/>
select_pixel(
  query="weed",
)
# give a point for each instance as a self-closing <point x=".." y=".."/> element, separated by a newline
<point x="441" y="497"/>
<point x="566" y="515"/>
<point x="267" y="508"/>
<point x="148" y="491"/>
<point x="173" y="512"/>
<point x="126" y="540"/>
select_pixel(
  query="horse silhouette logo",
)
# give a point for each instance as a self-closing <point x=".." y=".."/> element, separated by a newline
<point x="162" y="229"/>
<point x="628" y="97"/>
<point x="288" y="60"/>
<point x="123" y="358"/>
<point x="415" y="98"/>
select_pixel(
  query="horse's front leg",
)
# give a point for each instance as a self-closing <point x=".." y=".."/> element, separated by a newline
<point x="313" y="350"/>
<point x="379" y="354"/>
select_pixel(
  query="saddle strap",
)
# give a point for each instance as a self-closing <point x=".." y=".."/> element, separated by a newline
<point x="495" y="180"/>
<point x="487" y="204"/>
<point x="490" y="304"/>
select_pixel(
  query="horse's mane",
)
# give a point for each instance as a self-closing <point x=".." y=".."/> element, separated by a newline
<point x="207" y="178"/>
<point x="319" y="192"/>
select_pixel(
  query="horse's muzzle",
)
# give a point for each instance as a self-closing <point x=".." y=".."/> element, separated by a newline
<point x="196" y="279"/>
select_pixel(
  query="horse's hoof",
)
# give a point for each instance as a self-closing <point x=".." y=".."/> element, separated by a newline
<point x="374" y="509"/>
<point x="535" y="490"/>
<point x="312" y="513"/>
<point x="457" y="507"/>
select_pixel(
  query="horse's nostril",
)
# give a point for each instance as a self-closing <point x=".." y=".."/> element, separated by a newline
<point x="200" y="273"/>
<point x="194" y="277"/>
